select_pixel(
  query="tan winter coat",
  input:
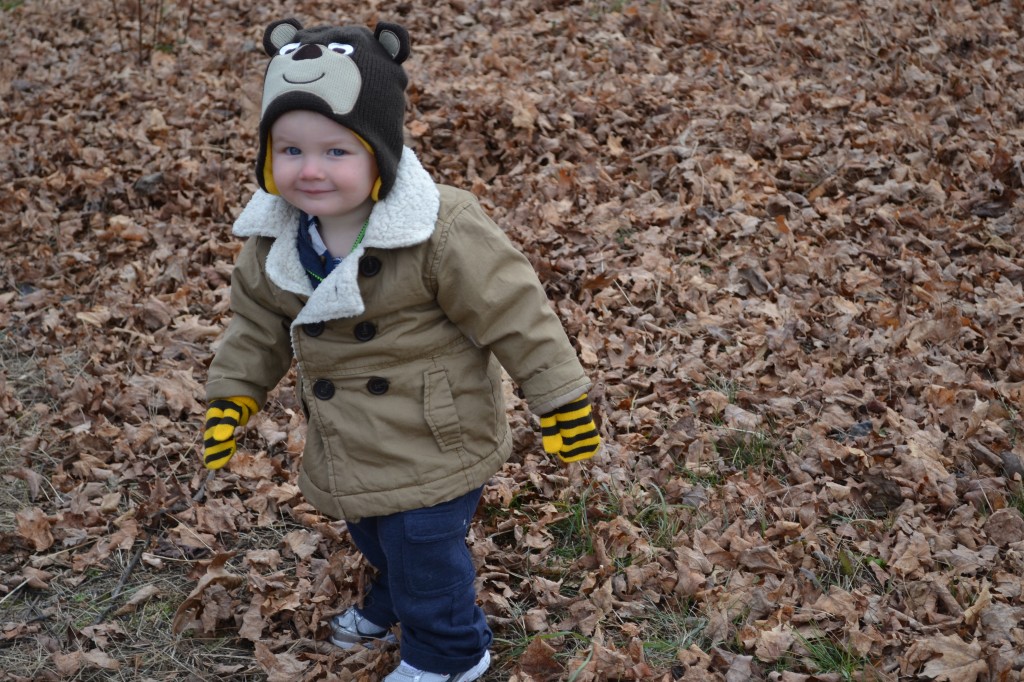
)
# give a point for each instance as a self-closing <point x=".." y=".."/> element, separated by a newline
<point x="398" y="348"/>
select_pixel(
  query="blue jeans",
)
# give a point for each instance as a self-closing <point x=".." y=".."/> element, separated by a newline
<point x="424" y="581"/>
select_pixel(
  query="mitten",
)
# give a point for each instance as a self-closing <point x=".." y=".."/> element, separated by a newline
<point x="569" y="431"/>
<point x="224" y="415"/>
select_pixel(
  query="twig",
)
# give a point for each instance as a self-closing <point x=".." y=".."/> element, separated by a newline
<point x="201" y="493"/>
<point x="142" y="50"/>
<point x="117" y="22"/>
<point x="152" y="528"/>
<point x="21" y="585"/>
<point x="188" y="18"/>
<point x="158" y="25"/>
<point x="124" y="578"/>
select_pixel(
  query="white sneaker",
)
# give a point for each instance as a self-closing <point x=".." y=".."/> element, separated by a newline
<point x="406" y="673"/>
<point x="349" y="629"/>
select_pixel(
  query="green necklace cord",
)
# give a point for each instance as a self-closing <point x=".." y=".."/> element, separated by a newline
<point x="359" y="237"/>
<point x="358" y="241"/>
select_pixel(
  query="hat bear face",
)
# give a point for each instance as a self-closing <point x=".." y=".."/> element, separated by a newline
<point x="348" y="74"/>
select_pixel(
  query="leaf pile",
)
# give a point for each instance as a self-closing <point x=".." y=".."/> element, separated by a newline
<point x="785" y="237"/>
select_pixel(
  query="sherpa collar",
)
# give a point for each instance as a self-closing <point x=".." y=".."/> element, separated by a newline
<point x="406" y="216"/>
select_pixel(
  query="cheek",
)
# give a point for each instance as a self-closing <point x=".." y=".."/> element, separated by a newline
<point x="281" y="167"/>
<point x="370" y="171"/>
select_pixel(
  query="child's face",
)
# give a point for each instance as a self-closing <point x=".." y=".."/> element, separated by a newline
<point x="320" y="166"/>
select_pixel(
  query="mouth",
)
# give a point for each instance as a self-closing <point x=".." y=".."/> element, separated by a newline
<point x="291" y="82"/>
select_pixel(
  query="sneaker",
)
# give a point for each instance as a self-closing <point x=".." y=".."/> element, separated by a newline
<point x="349" y="629"/>
<point x="406" y="673"/>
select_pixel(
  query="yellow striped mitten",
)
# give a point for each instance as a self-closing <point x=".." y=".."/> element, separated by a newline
<point x="224" y="415"/>
<point x="569" y="431"/>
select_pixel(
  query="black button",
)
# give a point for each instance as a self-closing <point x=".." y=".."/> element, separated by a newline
<point x="365" y="331"/>
<point x="313" y="329"/>
<point x="323" y="389"/>
<point x="369" y="266"/>
<point x="286" y="323"/>
<point x="378" y="385"/>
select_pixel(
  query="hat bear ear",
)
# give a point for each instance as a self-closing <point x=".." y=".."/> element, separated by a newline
<point x="395" y="40"/>
<point x="279" y="34"/>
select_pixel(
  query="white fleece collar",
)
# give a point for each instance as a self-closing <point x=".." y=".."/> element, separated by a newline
<point x="406" y="216"/>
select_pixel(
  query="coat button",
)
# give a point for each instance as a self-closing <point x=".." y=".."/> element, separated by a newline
<point x="378" y="385"/>
<point x="286" y="323"/>
<point x="313" y="329"/>
<point x="323" y="389"/>
<point x="364" y="331"/>
<point x="369" y="266"/>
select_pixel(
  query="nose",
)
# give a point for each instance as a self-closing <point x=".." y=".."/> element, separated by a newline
<point x="311" y="168"/>
<point x="309" y="51"/>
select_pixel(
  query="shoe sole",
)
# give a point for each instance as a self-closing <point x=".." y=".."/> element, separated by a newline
<point x="369" y="642"/>
<point x="477" y="671"/>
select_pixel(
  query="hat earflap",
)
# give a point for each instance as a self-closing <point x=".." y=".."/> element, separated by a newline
<point x="268" y="167"/>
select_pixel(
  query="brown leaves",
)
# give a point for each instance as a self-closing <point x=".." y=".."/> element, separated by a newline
<point x="34" y="526"/>
<point x="784" y="238"/>
<point x="209" y="603"/>
<point x="946" y="657"/>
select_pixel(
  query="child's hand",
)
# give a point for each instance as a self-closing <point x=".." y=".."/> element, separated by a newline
<point x="221" y="419"/>
<point x="569" y="431"/>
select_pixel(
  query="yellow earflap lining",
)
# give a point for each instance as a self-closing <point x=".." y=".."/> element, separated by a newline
<point x="375" y="192"/>
<point x="268" y="167"/>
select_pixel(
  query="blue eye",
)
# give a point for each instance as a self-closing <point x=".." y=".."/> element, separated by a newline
<point x="292" y="151"/>
<point x="336" y="152"/>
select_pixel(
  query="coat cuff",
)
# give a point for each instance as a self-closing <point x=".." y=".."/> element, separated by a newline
<point x="231" y="388"/>
<point x="555" y="387"/>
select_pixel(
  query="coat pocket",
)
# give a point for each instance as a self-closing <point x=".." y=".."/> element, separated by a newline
<point x="439" y="409"/>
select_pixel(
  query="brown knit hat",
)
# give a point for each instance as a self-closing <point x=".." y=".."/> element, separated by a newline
<point x="348" y="74"/>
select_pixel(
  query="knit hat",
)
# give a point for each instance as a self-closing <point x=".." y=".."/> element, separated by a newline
<point x="348" y="74"/>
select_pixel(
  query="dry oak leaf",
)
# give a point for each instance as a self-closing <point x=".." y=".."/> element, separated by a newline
<point x="1000" y="621"/>
<point x="946" y="658"/>
<point x="302" y="543"/>
<point x="71" y="663"/>
<point x="253" y="621"/>
<point x="216" y="577"/>
<point x="1005" y="527"/>
<point x="538" y="660"/>
<point x="973" y="612"/>
<point x="910" y="554"/>
<point x="761" y="560"/>
<point x="32" y="479"/>
<point x="144" y="594"/>
<point x="926" y="467"/>
<point x="279" y="667"/>
<point x="773" y="644"/>
<point x="36" y="578"/>
<point x="34" y="526"/>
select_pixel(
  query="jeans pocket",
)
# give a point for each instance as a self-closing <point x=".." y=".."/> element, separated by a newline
<point x="436" y="559"/>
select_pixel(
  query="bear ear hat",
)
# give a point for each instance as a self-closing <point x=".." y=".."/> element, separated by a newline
<point x="280" y="33"/>
<point x="395" y="40"/>
<point x="393" y="37"/>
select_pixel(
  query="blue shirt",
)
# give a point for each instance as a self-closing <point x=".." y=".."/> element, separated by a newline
<point x="313" y="254"/>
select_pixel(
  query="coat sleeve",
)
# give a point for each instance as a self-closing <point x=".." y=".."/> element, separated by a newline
<point x="490" y="290"/>
<point x="255" y="351"/>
